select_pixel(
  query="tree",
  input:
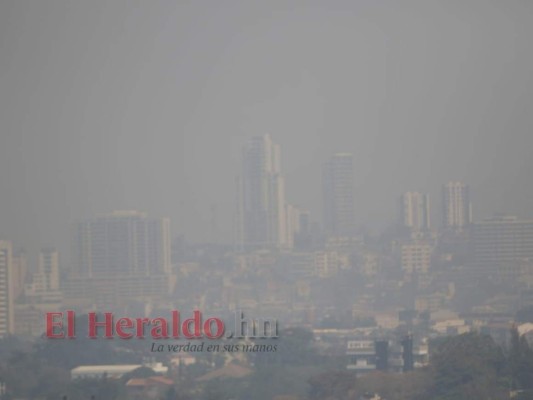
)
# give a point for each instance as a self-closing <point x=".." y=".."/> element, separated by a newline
<point x="411" y="385"/>
<point x="294" y="347"/>
<point x="524" y="315"/>
<point x="468" y="366"/>
<point x="520" y="362"/>
<point x="141" y="372"/>
<point x="69" y="353"/>
<point x="332" y="385"/>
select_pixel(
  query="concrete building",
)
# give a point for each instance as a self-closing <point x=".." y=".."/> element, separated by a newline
<point x="338" y="195"/>
<point x="108" y="292"/>
<point x="47" y="277"/>
<point x="112" y="371"/>
<point x="121" y="243"/>
<point x="414" y="211"/>
<point x="502" y="240"/>
<point x="361" y="355"/>
<point x="19" y="262"/>
<point x="326" y="263"/>
<point x="118" y="258"/>
<point x="262" y="219"/>
<point x="457" y="206"/>
<point x="297" y="225"/>
<point x="41" y="295"/>
<point x="416" y="257"/>
<point x="6" y="289"/>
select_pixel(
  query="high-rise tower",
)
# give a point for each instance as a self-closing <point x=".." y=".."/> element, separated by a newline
<point x="337" y="183"/>
<point x="120" y="244"/>
<point x="413" y="211"/>
<point x="119" y="258"/>
<point x="48" y="271"/>
<point x="457" y="208"/>
<point x="262" y="207"/>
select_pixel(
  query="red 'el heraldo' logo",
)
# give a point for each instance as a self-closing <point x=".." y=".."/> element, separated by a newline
<point x="57" y="327"/>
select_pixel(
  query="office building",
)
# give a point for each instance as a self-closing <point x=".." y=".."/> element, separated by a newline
<point x="119" y="258"/>
<point x="19" y="262"/>
<point x="48" y="272"/>
<point x="298" y="226"/>
<point x="457" y="207"/>
<point x="413" y="211"/>
<point x="262" y="207"/>
<point x="121" y="243"/>
<point x="416" y="256"/>
<point x="338" y="195"/>
<point x="501" y="240"/>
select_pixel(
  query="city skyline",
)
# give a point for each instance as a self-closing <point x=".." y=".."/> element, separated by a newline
<point x="352" y="176"/>
<point x="407" y="205"/>
<point x="152" y="116"/>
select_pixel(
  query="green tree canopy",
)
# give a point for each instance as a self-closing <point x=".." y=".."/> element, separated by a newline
<point x="468" y="366"/>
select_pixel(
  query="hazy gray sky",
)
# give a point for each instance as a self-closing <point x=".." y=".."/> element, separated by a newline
<point x="145" y="104"/>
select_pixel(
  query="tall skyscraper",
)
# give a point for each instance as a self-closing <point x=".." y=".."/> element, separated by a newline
<point x="123" y="243"/>
<point x="6" y="289"/>
<point x="19" y="262"/>
<point x="262" y="207"/>
<point x="457" y="208"/>
<point x="413" y="211"/>
<point x="48" y="272"/>
<point x="337" y="182"/>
